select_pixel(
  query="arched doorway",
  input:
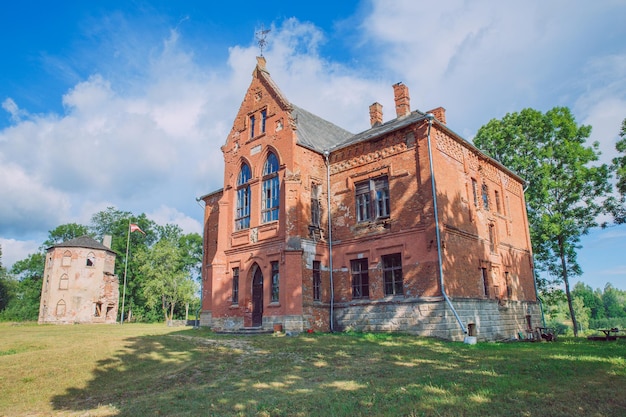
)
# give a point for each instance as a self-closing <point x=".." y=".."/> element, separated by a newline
<point x="257" y="297"/>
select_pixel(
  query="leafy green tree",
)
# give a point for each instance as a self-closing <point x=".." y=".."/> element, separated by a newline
<point x="614" y="302"/>
<point x="115" y="223"/>
<point x="64" y="233"/>
<point x="582" y="312"/>
<point x="166" y="281"/>
<point x="564" y="190"/>
<point x="591" y="299"/>
<point x="23" y="305"/>
<point x="617" y="206"/>
<point x="7" y="285"/>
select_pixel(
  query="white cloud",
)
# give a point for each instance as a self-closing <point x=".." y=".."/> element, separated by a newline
<point x="168" y="215"/>
<point x="16" y="250"/>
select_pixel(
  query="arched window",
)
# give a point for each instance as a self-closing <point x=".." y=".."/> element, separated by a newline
<point x="270" y="189"/>
<point x="91" y="259"/>
<point x="242" y="216"/>
<point x="64" y="282"/>
<point x="60" y="311"/>
<point x="67" y="258"/>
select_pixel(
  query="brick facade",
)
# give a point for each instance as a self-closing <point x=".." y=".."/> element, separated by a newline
<point x="378" y="267"/>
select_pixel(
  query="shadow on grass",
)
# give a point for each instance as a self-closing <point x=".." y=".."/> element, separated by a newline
<point x="200" y="373"/>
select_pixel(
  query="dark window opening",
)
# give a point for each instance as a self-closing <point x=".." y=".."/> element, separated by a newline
<point x="317" y="281"/>
<point x="475" y="192"/>
<point x="485" y="196"/>
<point x="316" y="207"/>
<point x="498" y="202"/>
<point x="485" y="282"/>
<point x="360" y="278"/>
<point x="392" y="273"/>
<point x="263" y="120"/>
<point x="275" y="282"/>
<point x="235" y="290"/>
<point x="252" y="120"/>
<point x="372" y="199"/>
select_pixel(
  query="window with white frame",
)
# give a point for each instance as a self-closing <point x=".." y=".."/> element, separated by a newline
<point x="242" y="216"/>
<point x="372" y="199"/>
<point x="270" y="189"/>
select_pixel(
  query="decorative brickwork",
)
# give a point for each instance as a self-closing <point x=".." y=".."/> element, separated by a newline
<point x="354" y="243"/>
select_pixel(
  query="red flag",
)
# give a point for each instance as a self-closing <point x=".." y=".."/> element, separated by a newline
<point x="134" y="227"/>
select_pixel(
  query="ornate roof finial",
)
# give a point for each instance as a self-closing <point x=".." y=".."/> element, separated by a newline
<point x="260" y="37"/>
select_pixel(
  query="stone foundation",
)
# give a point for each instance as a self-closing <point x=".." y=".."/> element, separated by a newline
<point x="487" y="319"/>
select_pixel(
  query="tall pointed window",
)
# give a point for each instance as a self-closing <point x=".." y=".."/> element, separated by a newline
<point x="263" y="120"/>
<point x="242" y="216"/>
<point x="485" y="195"/>
<point x="270" y="189"/>
<point x="252" y="120"/>
<point x="316" y="207"/>
<point x="235" y="290"/>
<point x="275" y="282"/>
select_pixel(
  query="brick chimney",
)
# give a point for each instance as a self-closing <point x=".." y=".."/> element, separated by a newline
<point x="376" y="114"/>
<point x="439" y="113"/>
<point x="402" y="99"/>
<point x="106" y="241"/>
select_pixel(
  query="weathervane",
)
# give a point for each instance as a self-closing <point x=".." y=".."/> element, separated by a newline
<point x="260" y="37"/>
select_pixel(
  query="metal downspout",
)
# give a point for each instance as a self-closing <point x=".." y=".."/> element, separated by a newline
<point x="430" y="118"/>
<point x="330" y="247"/>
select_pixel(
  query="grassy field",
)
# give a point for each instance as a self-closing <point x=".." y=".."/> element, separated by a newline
<point x="151" y="370"/>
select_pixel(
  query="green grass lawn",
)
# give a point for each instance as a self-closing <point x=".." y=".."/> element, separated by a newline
<point x="148" y="370"/>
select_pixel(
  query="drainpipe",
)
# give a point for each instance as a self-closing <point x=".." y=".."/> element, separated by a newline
<point x="430" y="118"/>
<point x="330" y="247"/>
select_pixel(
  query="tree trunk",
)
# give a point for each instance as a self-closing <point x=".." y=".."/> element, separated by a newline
<point x="565" y="277"/>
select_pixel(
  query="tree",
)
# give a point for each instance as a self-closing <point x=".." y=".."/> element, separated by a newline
<point x="591" y="299"/>
<point x="23" y="303"/>
<point x="64" y="233"/>
<point x="166" y="281"/>
<point x="115" y="223"/>
<point x="617" y="205"/>
<point x="614" y="302"/>
<point x="564" y="190"/>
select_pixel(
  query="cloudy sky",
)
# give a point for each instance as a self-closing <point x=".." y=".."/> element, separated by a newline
<point x="126" y="103"/>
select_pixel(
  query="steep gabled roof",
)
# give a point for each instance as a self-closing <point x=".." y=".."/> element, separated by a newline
<point x="86" y="242"/>
<point x="312" y="131"/>
<point x="316" y="133"/>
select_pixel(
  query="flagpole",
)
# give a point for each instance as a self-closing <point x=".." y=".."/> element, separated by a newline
<point x="125" y="269"/>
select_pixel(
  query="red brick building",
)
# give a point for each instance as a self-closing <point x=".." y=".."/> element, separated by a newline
<point x="403" y="227"/>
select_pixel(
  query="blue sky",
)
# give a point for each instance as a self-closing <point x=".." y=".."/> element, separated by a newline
<point x="126" y="103"/>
